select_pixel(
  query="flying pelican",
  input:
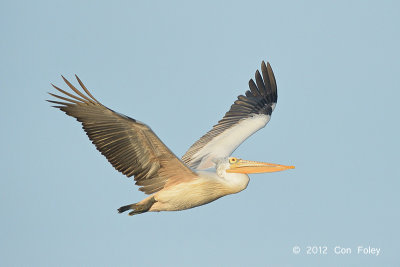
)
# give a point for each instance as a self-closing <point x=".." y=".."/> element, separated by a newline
<point x="205" y="173"/>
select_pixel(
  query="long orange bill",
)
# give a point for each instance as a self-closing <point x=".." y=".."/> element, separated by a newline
<point x="247" y="166"/>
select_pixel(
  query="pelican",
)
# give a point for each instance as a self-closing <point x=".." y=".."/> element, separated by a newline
<point x="205" y="173"/>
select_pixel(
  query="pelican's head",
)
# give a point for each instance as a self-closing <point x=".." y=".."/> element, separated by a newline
<point x="246" y="166"/>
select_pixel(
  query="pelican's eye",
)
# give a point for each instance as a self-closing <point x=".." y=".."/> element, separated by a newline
<point x="232" y="160"/>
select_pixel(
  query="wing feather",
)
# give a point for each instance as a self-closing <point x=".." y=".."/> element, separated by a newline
<point x="130" y="146"/>
<point x="248" y="114"/>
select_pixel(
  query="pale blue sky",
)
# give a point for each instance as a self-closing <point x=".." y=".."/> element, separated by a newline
<point x="178" y="66"/>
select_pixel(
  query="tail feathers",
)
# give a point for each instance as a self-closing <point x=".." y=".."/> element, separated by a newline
<point x="125" y="208"/>
<point x="138" y="208"/>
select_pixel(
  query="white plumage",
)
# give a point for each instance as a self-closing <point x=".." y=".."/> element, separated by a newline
<point x="206" y="171"/>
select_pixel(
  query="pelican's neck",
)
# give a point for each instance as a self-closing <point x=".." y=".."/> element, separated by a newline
<point x="236" y="181"/>
<point x="232" y="182"/>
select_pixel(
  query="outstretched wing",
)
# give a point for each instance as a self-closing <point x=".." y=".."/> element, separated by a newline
<point x="129" y="145"/>
<point x="247" y="115"/>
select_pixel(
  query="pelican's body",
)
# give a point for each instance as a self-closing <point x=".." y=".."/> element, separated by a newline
<point x="205" y="188"/>
<point x="205" y="173"/>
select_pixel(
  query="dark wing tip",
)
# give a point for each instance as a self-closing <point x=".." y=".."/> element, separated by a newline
<point x="264" y="85"/>
<point x="85" y="89"/>
<point x="78" y="96"/>
<point x="253" y="88"/>
<point x="272" y="82"/>
<point x="263" y="66"/>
